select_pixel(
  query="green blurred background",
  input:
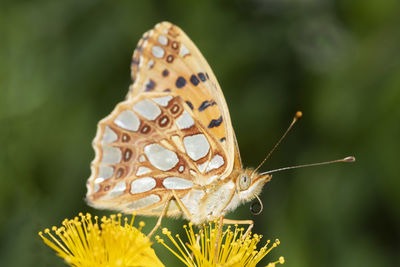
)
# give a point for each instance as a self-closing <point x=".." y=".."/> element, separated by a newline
<point x="64" y="65"/>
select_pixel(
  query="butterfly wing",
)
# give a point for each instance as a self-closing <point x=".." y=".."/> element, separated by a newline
<point x="166" y="60"/>
<point x="139" y="160"/>
<point x="149" y="145"/>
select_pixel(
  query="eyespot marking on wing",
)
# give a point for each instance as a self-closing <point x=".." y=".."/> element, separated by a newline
<point x="170" y="58"/>
<point x="128" y="153"/>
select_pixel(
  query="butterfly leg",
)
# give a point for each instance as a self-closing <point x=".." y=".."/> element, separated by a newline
<point x="161" y="216"/>
<point x="182" y="206"/>
<point x="249" y="222"/>
<point x="186" y="212"/>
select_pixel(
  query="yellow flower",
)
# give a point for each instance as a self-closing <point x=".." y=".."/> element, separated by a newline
<point x="115" y="242"/>
<point x="232" y="249"/>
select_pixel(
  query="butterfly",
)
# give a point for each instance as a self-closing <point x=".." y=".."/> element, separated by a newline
<point x="169" y="149"/>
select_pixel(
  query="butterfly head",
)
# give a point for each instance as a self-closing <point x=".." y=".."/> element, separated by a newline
<point x="249" y="184"/>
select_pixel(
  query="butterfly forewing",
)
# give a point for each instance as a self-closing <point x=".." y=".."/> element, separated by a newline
<point x="149" y="145"/>
<point x="166" y="60"/>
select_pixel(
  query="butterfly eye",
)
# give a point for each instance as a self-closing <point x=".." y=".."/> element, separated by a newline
<point x="244" y="182"/>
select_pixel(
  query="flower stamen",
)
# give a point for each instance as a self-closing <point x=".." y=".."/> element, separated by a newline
<point x="105" y="242"/>
<point x="232" y="248"/>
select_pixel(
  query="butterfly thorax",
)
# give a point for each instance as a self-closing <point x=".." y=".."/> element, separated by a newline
<point x="225" y="195"/>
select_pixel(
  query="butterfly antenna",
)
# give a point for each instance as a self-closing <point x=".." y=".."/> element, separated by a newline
<point x="296" y="117"/>
<point x="346" y="159"/>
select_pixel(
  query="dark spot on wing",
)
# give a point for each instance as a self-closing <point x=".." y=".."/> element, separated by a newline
<point x="120" y="173"/>
<point x="180" y="82"/>
<point x="206" y="104"/>
<point x="127" y="154"/>
<point x="170" y="58"/>
<point x="215" y="123"/>
<point x="150" y="85"/>
<point x="125" y="138"/>
<point x="145" y="129"/>
<point x="201" y="76"/>
<point x="189" y="104"/>
<point x="175" y="109"/>
<point x="163" y="121"/>
<point x="194" y="80"/>
<point x="174" y="45"/>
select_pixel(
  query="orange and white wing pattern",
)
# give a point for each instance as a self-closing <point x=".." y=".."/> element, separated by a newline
<point x="166" y="60"/>
<point x="149" y="145"/>
<point x="173" y="132"/>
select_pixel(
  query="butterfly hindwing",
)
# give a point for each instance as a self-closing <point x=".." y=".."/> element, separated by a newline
<point x="150" y="144"/>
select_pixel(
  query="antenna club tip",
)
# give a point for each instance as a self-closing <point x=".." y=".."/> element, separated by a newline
<point x="298" y="115"/>
<point x="349" y="159"/>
